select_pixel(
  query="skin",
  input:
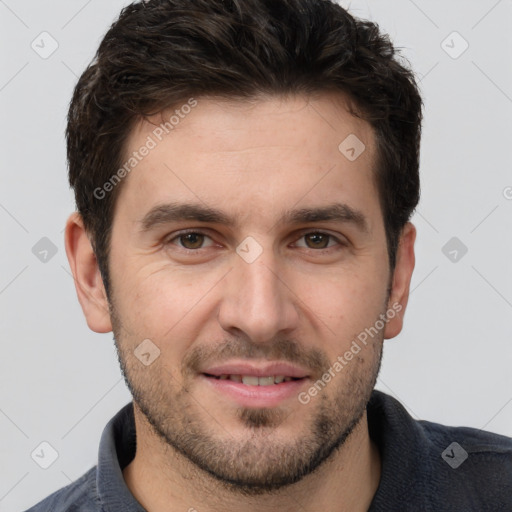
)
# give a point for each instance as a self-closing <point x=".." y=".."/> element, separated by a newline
<point x="304" y="300"/>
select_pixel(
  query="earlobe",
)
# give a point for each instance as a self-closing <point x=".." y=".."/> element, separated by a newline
<point x="86" y="274"/>
<point x="401" y="282"/>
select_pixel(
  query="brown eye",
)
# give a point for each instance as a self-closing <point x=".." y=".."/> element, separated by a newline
<point x="191" y="240"/>
<point x="317" y="240"/>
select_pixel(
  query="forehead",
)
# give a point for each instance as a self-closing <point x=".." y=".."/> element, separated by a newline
<point x="248" y="158"/>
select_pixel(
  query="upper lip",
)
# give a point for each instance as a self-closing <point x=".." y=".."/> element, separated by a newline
<point x="263" y="369"/>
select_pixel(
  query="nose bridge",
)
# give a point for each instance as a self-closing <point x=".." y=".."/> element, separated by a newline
<point x="260" y="285"/>
<point x="255" y="266"/>
<point x="256" y="300"/>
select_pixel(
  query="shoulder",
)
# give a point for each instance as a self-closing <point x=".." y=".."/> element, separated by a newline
<point x="470" y="466"/>
<point x="439" y="467"/>
<point x="471" y="449"/>
<point x="79" y="495"/>
<point x="478" y="442"/>
<point x="390" y="416"/>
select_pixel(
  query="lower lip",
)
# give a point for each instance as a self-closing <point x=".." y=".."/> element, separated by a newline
<point x="256" y="396"/>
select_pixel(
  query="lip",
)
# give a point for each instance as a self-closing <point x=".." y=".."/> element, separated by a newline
<point x="262" y="369"/>
<point x="255" y="396"/>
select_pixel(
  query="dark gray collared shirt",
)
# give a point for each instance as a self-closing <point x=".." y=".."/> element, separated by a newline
<point x="426" y="467"/>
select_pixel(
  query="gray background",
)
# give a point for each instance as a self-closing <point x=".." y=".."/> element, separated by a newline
<point x="60" y="382"/>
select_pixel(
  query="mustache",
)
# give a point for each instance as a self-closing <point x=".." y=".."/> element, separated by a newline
<point x="280" y="349"/>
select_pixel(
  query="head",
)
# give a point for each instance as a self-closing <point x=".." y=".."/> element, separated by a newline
<point x="229" y="118"/>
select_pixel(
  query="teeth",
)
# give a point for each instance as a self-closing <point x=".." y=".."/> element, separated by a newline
<point x="252" y="380"/>
<point x="265" y="381"/>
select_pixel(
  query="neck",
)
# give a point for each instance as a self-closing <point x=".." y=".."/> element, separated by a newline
<point x="162" y="480"/>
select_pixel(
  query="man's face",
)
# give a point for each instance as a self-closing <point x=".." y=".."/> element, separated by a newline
<point x="265" y="288"/>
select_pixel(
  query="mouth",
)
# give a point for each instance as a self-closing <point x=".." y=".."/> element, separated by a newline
<point x="253" y="380"/>
<point x="255" y="385"/>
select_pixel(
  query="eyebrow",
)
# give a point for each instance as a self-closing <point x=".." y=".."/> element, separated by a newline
<point x="174" y="212"/>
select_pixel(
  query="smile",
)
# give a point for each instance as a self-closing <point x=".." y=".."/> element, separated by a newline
<point x="252" y="380"/>
<point x="252" y="391"/>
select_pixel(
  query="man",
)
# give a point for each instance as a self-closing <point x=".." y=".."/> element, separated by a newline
<point x="245" y="172"/>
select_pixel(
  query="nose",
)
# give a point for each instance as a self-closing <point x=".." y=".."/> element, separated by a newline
<point x="258" y="300"/>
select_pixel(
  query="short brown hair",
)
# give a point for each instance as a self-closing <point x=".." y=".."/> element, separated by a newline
<point x="162" y="52"/>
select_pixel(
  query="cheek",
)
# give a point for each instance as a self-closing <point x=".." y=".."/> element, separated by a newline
<point x="345" y="302"/>
<point x="165" y="305"/>
<point x="347" y="289"/>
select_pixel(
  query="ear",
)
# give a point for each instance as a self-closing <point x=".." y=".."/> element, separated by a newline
<point x="88" y="282"/>
<point x="401" y="282"/>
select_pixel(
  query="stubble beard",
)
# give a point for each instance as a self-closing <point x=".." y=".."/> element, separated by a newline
<point x="259" y="462"/>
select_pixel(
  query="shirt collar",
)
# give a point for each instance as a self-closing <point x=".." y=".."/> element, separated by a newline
<point x="117" y="449"/>
<point x="405" y="456"/>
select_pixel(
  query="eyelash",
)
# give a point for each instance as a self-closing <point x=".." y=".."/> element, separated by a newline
<point x="178" y="235"/>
